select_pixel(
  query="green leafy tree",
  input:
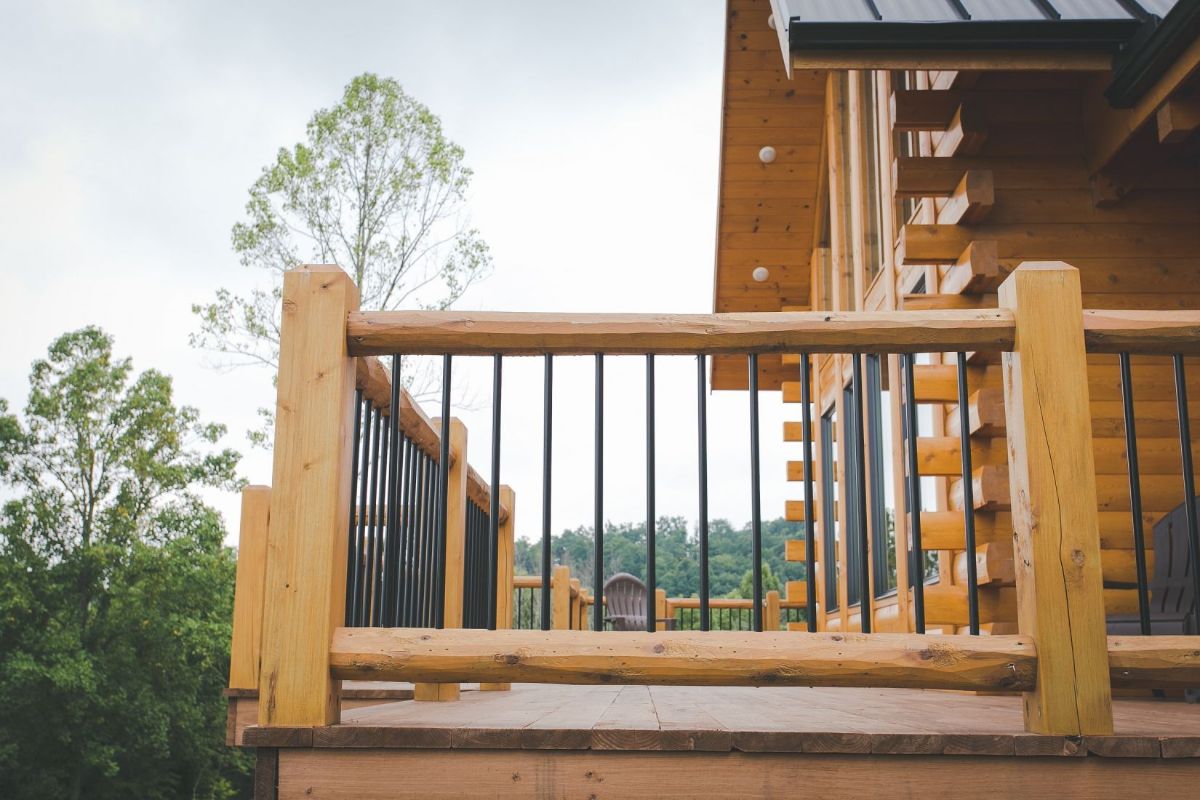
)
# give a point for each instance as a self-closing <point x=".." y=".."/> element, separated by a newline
<point x="115" y="587"/>
<point x="375" y="187"/>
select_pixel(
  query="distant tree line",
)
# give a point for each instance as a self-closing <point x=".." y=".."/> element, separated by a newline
<point x="677" y="555"/>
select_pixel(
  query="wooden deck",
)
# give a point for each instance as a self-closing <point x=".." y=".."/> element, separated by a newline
<point x="635" y="741"/>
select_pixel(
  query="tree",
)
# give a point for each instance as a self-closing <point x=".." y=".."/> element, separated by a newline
<point x="377" y="188"/>
<point x="117" y="588"/>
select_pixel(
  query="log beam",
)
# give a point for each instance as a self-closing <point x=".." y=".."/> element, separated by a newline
<point x="685" y="658"/>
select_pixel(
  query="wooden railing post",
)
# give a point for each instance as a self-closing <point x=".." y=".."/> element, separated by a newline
<point x="1060" y="600"/>
<point x="246" y="646"/>
<point x="771" y="617"/>
<point x="576" y="603"/>
<point x="662" y="610"/>
<point x="305" y="588"/>
<point x="504" y="573"/>
<point x="456" y="542"/>
<point x="560" y="598"/>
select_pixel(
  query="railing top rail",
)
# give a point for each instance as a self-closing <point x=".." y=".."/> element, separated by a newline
<point x="1160" y="332"/>
<point x="374" y="381"/>
<point x="515" y="333"/>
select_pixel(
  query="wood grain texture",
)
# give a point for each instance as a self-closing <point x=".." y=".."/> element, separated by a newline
<point x="1154" y="661"/>
<point x="246" y="644"/>
<point x="684" y="658"/>
<point x="378" y="774"/>
<point x="1060" y="598"/>
<point x="1142" y="331"/>
<point x="504" y="573"/>
<point x="310" y="499"/>
<point x="515" y="333"/>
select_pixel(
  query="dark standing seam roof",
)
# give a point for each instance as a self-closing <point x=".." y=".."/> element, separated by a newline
<point x="1145" y="36"/>
<point x="974" y="10"/>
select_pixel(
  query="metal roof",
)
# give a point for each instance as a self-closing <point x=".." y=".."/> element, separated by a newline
<point x="801" y="11"/>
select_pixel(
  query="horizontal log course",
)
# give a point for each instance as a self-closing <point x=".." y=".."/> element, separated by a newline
<point x="512" y="333"/>
<point x="943" y="530"/>
<point x="685" y="658"/>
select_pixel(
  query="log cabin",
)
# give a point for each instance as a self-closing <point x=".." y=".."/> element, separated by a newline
<point x="879" y="168"/>
<point x="961" y="238"/>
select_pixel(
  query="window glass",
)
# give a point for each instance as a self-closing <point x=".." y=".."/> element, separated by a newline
<point x="828" y="519"/>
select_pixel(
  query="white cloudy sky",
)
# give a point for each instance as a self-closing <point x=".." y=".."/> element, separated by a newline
<point x="131" y="131"/>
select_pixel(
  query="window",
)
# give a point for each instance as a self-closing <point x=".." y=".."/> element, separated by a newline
<point x="879" y="468"/>
<point x="853" y="529"/>
<point x="829" y="509"/>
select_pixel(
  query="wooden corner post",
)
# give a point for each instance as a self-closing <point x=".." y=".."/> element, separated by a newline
<point x="305" y="588"/>
<point x="456" y="549"/>
<point x="246" y="648"/>
<point x="1060" y="600"/>
<point x="504" y="573"/>
<point x="560" y="598"/>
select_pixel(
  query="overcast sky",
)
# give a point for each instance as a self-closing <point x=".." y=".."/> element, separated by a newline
<point x="132" y="131"/>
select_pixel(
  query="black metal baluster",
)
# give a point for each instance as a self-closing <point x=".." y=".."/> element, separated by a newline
<point x="392" y="563"/>
<point x="403" y="574"/>
<point x="381" y="519"/>
<point x="369" y="555"/>
<point x="968" y="494"/>
<point x="755" y="496"/>
<point x="427" y="534"/>
<point x="547" y="433"/>
<point x="702" y="434"/>
<point x="363" y="512"/>
<point x="598" y="521"/>
<point x="355" y="509"/>
<point x="914" y="494"/>
<point x="651" y="573"/>
<point x="1135" y="495"/>
<point x="493" y="558"/>
<point x="860" y="500"/>
<point x="810" y="539"/>
<point x="1189" y="476"/>
<point x="439" y="599"/>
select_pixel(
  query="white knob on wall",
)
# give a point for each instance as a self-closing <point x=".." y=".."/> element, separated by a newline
<point x="767" y="154"/>
<point x="760" y="274"/>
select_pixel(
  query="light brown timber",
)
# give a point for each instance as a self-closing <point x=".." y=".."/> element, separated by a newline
<point x="304" y="598"/>
<point x="1053" y="487"/>
<point x="246" y="644"/>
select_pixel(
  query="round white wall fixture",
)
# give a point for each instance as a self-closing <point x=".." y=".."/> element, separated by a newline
<point x="760" y="274"/>
<point x="771" y="22"/>
<point x="767" y="154"/>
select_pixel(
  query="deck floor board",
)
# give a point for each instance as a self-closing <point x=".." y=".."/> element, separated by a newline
<point x="768" y="719"/>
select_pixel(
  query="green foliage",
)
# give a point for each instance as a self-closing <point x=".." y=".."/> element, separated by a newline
<point x="377" y="188"/>
<point x="115" y="587"/>
<point x="677" y="555"/>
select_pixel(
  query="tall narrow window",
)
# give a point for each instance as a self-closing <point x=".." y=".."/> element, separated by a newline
<point x="879" y="471"/>
<point x="829" y="486"/>
<point x="851" y="531"/>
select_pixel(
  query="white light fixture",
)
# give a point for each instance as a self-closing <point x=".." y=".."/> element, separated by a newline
<point x="760" y="274"/>
<point x="767" y="154"/>
<point x="771" y="22"/>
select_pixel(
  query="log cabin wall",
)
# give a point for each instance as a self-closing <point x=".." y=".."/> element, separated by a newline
<point x="999" y="171"/>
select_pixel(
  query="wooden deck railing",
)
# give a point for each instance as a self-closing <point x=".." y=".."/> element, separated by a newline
<point x="1061" y="658"/>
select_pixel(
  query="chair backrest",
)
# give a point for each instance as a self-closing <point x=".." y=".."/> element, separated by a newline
<point x="1171" y="589"/>
<point x="625" y="596"/>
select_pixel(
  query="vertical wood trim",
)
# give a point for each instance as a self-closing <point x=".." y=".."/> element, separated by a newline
<point x="504" y="573"/>
<point x="1052" y="478"/>
<point x="246" y="645"/>
<point x="305" y="592"/>
<point x="560" y="598"/>
<point x="661" y="609"/>
<point x="771" y="623"/>
<point x="576" y="603"/>
<point x="456" y="523"/>
<point x="456" y="546"/>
